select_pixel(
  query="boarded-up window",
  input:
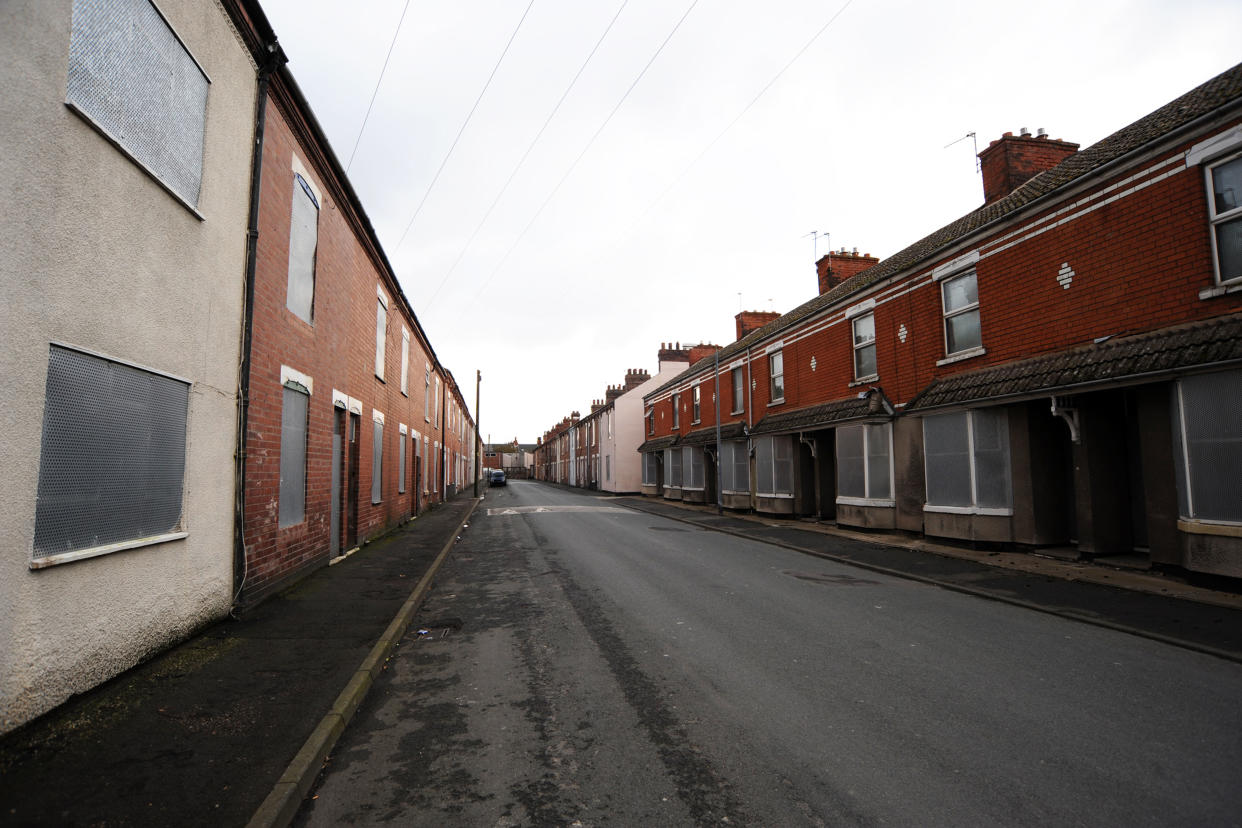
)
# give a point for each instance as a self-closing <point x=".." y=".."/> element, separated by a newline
<point x="293" y="457"/>
<point x="1208" y="409"/>
<point x="303" y="238"/>
<point x="112" y="454"/>
<point x="132" y="78"/>
<point x="967" y="459"/>
<point x="377" y="461"/>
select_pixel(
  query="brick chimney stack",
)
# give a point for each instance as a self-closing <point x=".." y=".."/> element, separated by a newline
<point x="634" y="377"/>
<point x="748" y="321"/>
<point x="1011" y="161"/>
<point x="673" y="352"/>
<point x="701" y="350"/>
<point x="839" y="265"/>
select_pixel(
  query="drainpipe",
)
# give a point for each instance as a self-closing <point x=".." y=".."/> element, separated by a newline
<point x="276" y="59"/>
<point x="716" y="405"/>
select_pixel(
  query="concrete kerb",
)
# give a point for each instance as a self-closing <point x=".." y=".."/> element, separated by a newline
<point x="282" y="804"/>
<point x="962" y="588"/>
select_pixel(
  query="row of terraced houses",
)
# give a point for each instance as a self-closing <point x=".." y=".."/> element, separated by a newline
<point x="213" y="382"/>
<point x="1060" y="368"/>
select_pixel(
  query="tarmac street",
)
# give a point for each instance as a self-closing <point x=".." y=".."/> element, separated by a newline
<point x="582" y="662"/>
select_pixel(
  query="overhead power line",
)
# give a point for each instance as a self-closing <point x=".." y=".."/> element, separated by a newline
<point x="378" y="81"/>
<point x="526" y="154"/>
<point x="586" y="149"/>
<point x="464" y="124"/>
<point x="745" y="109"/>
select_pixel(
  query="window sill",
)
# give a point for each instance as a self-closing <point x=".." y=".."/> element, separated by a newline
<point x="867" y="380"/>
<point x="1221" y="290"/>
<point x="695" y="422"/>
<point x="962" y="355"/>
<point x="107" y="549"/>
<point x="782" y="495"/>
<point x="882" y="502"/>
<point x="1197" y="527"/>
<point x="381" y="379"/>
<point x="968" y="510"/>
<point x="735" y="413"/>
<point x="781" y="401"/>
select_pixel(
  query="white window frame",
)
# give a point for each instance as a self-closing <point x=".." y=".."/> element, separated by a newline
<point x="676" y="412"/>
<point x="866" y="500"/>
<point x="696" y="403"/>
<point x="1216" y="220"/>
<point x="774" y="376"/>
<point x="974" y="508"/>
<point x="946" y="315"/>
<point x="738" y="380"/>
<point x="863" y="345"/>
<point x="1190" y="518"/>
<point x="377" y="457"/>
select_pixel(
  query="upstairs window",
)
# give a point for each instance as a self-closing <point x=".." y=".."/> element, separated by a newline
<point x="651" y="421"/>
<point x="1226" y="216"/>
<point x="427" y="393"/>
<point x="676" y="411"/>
<point x="405" y="361"/>
<point x="864" y="347"/>
<point x="381" y="332"/>
<point x="739" y="393"/>
<point x="960" y="297"/>
<point x="776" y="372"/>
<point x="131" y="78"/>
<point x="697" y="407"/>
<point x="303" y="239"/>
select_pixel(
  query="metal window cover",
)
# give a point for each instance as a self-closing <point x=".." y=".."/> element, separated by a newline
<point x="132" y="78"/>
<point x="1125" y="360"/>
<point x="112" y="454"/>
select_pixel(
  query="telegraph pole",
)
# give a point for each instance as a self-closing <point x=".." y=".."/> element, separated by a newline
<point x="478" y="446"/>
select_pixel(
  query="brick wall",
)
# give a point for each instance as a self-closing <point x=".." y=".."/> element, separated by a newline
<point x="337" y="351"/>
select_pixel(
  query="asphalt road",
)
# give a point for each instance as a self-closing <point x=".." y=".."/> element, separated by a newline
<point x="585" y="664"/>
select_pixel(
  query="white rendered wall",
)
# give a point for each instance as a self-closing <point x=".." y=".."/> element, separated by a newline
<point x="629" y="424"/>
<point x="99" y="257"/>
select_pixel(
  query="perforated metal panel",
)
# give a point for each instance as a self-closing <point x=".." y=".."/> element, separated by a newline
<point x="763" y="465"/>
<point x="303" y="238"/>
<point x="851" y="472"/>
<point x="377" y="462"/>
<point x="133" y="78"/>
<point x="1212" y="417"/>
<point x="112" y="455"/>
<point x="293" y="457"/>
<point x="879" y="479"/>
<point x="946" y="446"/>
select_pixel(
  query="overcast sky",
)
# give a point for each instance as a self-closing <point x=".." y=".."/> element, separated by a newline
<point x="654" y="211"/>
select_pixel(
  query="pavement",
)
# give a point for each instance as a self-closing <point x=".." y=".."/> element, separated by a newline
<point x="232" y="726"/>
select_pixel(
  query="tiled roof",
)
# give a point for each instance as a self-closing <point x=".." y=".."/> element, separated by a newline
<point x="815" y="416"/>
<point x="659" y="443"/>
<point x="1145" y="355"/>
<point x="1223" y="89"/>
<point x="704" y="436"/>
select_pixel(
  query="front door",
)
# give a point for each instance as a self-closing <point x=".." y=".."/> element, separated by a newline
<point x="338" y="446"/>
<point x="351" y="489"/>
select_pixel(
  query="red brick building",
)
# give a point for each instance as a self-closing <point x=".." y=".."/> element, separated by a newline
<point x="351" y="424"/>
<point x="1060" y="367"/>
